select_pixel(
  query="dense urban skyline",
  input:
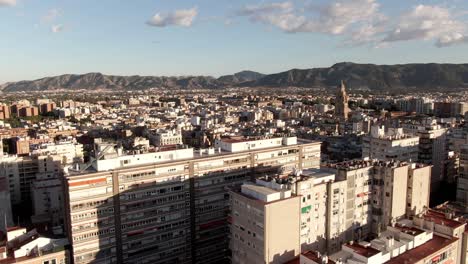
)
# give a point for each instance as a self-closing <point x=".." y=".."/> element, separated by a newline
<point x="49" y="38"/>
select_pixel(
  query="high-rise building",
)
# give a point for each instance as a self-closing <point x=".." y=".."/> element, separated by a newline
<point x="353" y="200"/>
<point x="433" y="150"/>
<point x="47" y="107"/>
<point x="418" y="189"/>
<point x="378" y="193"/>
<point x="44" y="163"/>
<point x="167" y="207"/>
<point x="265" y="224"/>
<point x="341" y="102"/>
<point x="4" y="111"/>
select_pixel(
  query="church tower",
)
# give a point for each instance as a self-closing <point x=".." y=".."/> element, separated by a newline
<point x="341" y="102"/>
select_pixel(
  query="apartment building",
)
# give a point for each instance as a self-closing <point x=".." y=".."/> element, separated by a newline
<point x="378" y="193"/>
<point x="389" y="194"/>
<point x="5" y="205"/>
<point x="352" y="200"/>
<point x="445" y="225"/>
<point x="265" y="224"/>
<point x="4" y="111"/>
<point x="433" y="150"/>
<point x="313" y="186"/>
<point x="418" y="189"/>
<point x="400" y="244"/>
<point x="47" y="158"/>
<point x="462" y="181"/>
<point x="171" y="210"/>
<point x="392" y="144"/>
<point x="24" y="247"/>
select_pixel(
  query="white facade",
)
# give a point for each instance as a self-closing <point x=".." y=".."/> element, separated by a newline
<point x="237" y="145"/>
<point x="164" y="138"/>
<point x="390" y="145"/>
<point x="140" y="159"/>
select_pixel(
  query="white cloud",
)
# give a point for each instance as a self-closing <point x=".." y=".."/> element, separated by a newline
<point x="183" y="17"/>
<point x="51" y="15"/>
<point x="7" y="3"/>
<point x="449" y="40"/>
<point x="429" y="23"/>
<point x="340" y="16"/>
<point x="361" y="22"/>
<point x="265" y="8"/>
<point x="57" y="28"/>
<point x="281" y="15"/>
<point x="336" y="18"/>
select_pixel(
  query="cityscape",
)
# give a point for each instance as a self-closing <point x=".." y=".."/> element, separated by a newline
<point x="145" y="156"/>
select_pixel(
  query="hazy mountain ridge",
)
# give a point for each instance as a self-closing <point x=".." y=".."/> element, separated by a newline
<point x="374" y="77"/>
<point x="241" y="77"/>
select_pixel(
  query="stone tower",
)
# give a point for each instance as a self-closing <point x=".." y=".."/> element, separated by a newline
<point x="341" y="102"/>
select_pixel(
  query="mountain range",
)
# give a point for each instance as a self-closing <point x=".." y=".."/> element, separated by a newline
<point x="356" y="76"/>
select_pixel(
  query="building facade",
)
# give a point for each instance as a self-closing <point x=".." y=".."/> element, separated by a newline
<point x="174" y="211"/>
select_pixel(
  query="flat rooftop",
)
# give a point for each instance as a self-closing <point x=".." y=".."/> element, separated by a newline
<point x="423" y="251"/>
<point x="440" y="219"/>
<point x="319" y="176"/>
<point x="362" y="250"/>
<point x="197" y="156"/>
<point x="260" y="189"/>
<point x="410" y="230"/>
<point x="315" y="256"/>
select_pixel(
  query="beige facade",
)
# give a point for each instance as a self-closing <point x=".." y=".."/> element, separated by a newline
<point x="418" y="191"/>
<point x="264" y="230"/>
<point x="389" y="194"/>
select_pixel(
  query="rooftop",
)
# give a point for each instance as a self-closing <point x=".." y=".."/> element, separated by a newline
<point x="365" y="251"/>
<point x="441" y="219"/>
<point x="409" y="230"/>
<point x="425" y="250"/>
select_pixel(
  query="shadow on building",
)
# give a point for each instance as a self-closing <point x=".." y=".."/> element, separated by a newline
<point x="182" y="220"/>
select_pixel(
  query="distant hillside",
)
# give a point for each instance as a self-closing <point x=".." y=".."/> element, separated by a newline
<point x="94" y="81"/>
<point x="356" y="76"/>
<point x="374" y="77"/>
<point x="241" y="77"/>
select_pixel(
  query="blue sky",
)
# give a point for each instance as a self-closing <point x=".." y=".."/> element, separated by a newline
<point x="215" y="37"/>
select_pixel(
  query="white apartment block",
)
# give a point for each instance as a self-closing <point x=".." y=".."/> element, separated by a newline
<point x="46" y="161"/>
<point x="390" y="145"/>
<point x="242" y="144"/>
